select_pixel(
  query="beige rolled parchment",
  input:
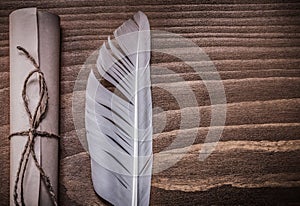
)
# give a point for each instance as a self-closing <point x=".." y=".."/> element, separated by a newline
<point x="39" y="33"/>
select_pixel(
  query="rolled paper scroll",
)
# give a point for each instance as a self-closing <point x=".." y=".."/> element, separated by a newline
<point x="39" y="34"/>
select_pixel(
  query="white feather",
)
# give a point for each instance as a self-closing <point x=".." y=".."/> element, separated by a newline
<point x="119" y="127"/>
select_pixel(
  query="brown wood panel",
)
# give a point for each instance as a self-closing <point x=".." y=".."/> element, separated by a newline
<point x="255" y="47"/>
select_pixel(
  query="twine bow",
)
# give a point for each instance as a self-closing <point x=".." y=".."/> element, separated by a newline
<point x="34" y="120"/>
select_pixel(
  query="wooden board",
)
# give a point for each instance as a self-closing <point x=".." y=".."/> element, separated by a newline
<point x="255" y="47"/>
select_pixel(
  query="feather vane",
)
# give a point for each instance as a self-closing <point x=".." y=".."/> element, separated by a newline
<point x="119" y="124"/>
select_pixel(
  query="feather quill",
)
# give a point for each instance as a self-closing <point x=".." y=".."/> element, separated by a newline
<point x="119" y="124"/>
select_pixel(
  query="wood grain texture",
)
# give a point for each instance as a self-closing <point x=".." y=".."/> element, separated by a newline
<point x="255" y="47"/>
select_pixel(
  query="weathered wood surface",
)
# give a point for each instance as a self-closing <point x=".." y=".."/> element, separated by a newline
<point x="255" y="46"/>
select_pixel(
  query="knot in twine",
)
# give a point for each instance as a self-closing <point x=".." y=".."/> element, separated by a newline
<point x="34" y="120"/>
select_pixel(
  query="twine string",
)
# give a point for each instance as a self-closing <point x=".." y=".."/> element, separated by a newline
<point x="34" y="120"/>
